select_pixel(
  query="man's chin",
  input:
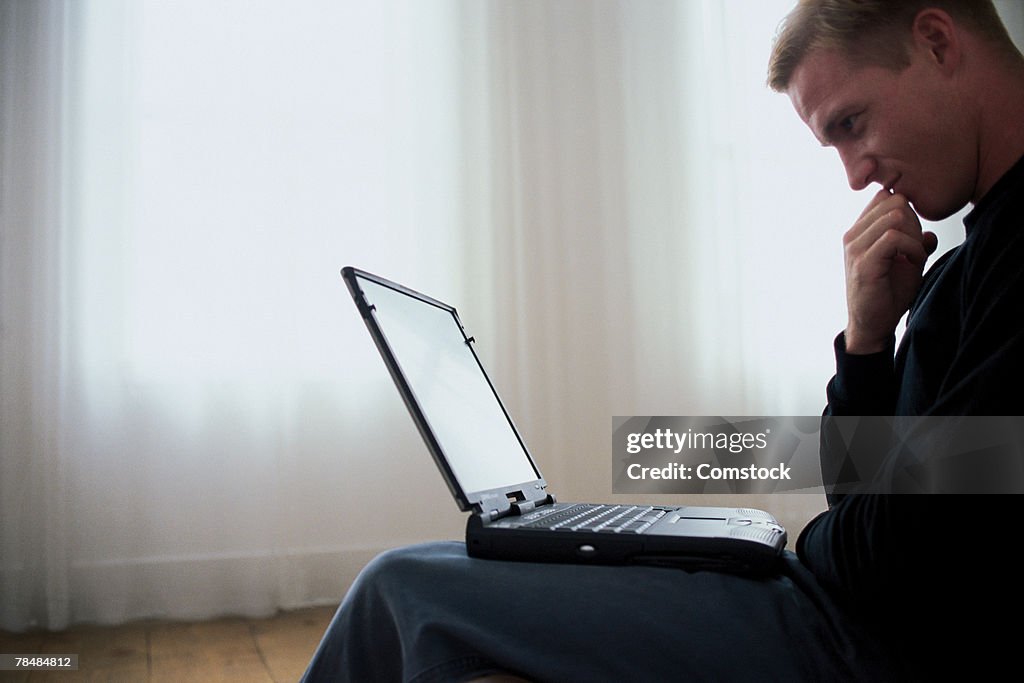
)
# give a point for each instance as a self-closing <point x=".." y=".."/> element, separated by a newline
<point x="930" y="212"/>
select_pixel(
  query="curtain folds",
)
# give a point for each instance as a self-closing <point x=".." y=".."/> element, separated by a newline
<point x="33" y="432"/>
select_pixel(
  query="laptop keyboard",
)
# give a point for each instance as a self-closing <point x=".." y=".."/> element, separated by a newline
<point x="629" y="519"/>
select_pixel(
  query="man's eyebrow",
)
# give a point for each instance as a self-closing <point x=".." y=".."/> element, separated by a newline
<point x="825" y="137"/>
<point x="828" y="133"/>
<point x="824" y="134"/>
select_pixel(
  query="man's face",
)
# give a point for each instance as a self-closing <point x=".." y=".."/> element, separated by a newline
<point x="903" y="130"/>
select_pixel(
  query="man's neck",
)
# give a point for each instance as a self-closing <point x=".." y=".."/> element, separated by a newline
<point x="1001" y="127"/>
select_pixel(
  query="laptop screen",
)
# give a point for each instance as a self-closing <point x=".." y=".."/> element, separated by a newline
<point x="463" y="413"/>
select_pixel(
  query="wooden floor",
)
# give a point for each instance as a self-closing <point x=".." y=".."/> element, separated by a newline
<point x="276" y="649"/>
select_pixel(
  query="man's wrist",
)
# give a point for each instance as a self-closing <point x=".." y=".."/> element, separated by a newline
<point x="857" y="345"/>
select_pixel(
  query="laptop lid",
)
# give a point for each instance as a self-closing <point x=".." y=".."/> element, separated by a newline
<point x="458" y="413"/>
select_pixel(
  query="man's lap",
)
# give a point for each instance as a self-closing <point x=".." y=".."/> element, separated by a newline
<point x="430" y="612"/>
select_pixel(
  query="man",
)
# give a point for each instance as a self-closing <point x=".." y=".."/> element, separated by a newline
<point x="926" y="100"/>
<point x="934" y="116"/>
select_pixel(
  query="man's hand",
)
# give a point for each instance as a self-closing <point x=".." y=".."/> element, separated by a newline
<point x="885" y="256"/>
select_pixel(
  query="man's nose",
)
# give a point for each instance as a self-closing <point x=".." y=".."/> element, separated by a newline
<point x="859" y="169"/>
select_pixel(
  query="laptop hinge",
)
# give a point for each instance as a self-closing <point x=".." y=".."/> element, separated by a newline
<point x="513" y="503"/>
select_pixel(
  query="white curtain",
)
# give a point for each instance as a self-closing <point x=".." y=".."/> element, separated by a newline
<point x="193" y="421"/>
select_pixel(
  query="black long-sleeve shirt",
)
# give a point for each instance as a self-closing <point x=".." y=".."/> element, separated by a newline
<point x="932" y="571"/>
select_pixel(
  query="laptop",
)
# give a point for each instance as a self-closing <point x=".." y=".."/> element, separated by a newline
<point x="484" y="460"/>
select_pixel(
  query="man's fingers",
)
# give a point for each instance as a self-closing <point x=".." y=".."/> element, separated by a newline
<point x="879" y="197"/>
<point x="901" y="219"/>
<point x="892" y="210"/>
<point x="882" y="203"/>
<point x="891" y="248"/>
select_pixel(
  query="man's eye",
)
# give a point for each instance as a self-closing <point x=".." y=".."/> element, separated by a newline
<point x="848" y="122"/>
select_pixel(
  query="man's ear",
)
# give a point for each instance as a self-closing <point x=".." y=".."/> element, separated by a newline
<point x="935" y="32"/>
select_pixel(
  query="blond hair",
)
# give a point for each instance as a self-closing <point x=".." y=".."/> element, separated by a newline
<point x="871" y="32"/>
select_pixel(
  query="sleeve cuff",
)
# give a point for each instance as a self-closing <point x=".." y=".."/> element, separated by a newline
<point x="863" y="384"/>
